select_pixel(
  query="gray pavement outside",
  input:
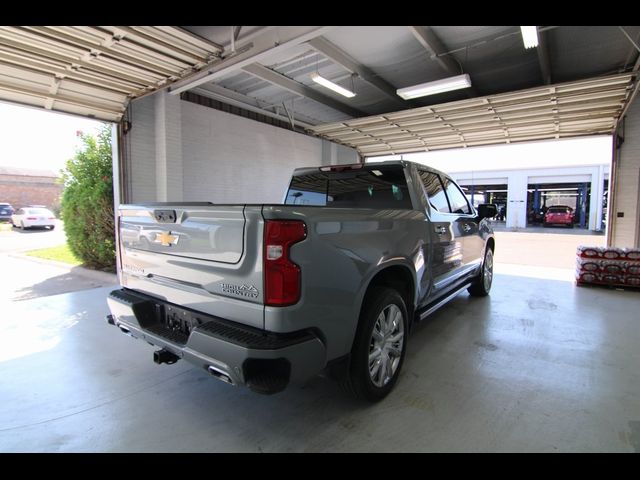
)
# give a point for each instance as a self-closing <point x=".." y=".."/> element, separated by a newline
<point x="24" y="277"/>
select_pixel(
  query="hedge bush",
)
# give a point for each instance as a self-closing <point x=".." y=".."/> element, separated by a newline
<point x="87" y="202"/>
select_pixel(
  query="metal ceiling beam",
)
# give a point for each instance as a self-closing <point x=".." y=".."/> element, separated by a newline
<point x="268" y="43"/>
<point x="430" y="41"/>
<point x="237" y="99"/>
<point x="301" y="89"/>
<point x="338" y="56"/>
<point x="543" y="57"/>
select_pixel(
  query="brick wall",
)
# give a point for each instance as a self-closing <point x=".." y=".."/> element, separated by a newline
<point x="21" y="190"/>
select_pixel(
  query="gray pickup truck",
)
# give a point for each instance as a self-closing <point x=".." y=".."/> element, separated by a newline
<point x="331" y="280"/>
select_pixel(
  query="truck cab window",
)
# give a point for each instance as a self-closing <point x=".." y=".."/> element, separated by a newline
<point x="457" y="200"/>
<point x="379" y="187"/>
<point x="435" y="191"/>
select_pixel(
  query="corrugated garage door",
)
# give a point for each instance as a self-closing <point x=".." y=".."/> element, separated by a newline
<point x="586" y="107"/>
<point x="95" y="71"/>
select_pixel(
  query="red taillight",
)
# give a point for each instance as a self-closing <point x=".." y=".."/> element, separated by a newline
<point x="281" y="275"/>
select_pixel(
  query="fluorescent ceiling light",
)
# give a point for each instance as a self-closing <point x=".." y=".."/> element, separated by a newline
<point x="439" y="86"/>
<point x="529" y="36"/>
<point x="332" y="86"/>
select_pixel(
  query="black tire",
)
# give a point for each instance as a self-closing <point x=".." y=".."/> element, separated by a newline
<point x="51" y="227"/>
<point x="482" y="283"/>
<point x="381" y="303"/>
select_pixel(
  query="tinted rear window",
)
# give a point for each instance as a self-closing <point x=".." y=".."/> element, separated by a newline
<point x="368" y="187"/>
<point x="38" y="211"/>
<point x="559" y="210"/>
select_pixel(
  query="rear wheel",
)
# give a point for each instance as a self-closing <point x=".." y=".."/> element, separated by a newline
<point x="482" y="283"/>
<point x="379" y="347"/>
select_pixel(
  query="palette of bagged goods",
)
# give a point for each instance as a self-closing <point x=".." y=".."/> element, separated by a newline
<point x="618" y="267"/>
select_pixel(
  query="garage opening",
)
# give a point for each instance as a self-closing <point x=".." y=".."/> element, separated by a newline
<point x="488" y="193"/>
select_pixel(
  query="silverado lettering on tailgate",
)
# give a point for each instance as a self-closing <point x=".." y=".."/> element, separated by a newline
<point x="240" y="290"/>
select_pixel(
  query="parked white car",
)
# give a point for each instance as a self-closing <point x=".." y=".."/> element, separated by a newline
<point x="28" y="217"/>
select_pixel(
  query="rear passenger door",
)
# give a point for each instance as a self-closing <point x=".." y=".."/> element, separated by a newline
<point x="445" y="236"/>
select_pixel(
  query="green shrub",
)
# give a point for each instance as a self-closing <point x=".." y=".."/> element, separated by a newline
<point x="87" y="202"/>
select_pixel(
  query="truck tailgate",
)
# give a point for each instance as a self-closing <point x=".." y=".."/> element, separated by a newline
<point x="202" y="256"/>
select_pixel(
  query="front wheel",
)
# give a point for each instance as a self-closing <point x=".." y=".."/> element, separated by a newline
<point x="379" y="347"/>
<point x="482" y="283"/>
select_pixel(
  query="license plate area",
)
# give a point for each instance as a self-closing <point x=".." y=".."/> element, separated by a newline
<point x="180" y="321"/>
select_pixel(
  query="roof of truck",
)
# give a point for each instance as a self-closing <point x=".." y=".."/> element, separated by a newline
<point x="308" y="170"/>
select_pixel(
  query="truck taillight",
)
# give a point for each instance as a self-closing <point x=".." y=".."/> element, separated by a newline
<point x="281" y="275"/>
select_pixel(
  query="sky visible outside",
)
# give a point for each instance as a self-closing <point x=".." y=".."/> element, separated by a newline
<point x="40" y="139"/>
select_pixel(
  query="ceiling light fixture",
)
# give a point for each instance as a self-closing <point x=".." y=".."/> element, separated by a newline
<point x="529" y="36"/>
<point x="331" y="86"/>
<point x="431" y="88"/>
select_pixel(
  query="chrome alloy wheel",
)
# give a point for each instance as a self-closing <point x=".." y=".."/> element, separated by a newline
<point x="487" y="270"/>
<point x="385" y="345"/>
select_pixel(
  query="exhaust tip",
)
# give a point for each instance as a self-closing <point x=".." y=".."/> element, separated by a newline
<point x="219" y="374"/>
<point x="124" y="329"/>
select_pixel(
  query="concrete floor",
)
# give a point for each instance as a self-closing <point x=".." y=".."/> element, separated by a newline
<point x="543" y="248"/>
<point x="540" y="365"/>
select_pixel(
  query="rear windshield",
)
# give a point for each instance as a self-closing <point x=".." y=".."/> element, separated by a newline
<point x="559" y="210"/>
<point x="38" y="211"/>
<point x="367" y="187"/>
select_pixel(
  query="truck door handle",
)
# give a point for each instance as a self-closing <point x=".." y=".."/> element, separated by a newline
<point x="441" y="230"/>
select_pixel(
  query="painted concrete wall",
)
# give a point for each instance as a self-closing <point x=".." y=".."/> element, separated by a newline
<point x="181" y="151"/>
<point x="627" y="190"/>
<point x="140" y="152"/>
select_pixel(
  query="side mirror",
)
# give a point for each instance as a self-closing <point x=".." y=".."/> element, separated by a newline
<point x="487" y="210"/>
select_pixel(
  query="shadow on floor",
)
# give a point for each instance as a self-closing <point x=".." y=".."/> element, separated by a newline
<point x="64" y="283"/>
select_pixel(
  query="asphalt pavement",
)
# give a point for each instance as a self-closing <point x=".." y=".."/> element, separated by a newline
<point x="17" y="240"/>
<point x="24" y="278"/>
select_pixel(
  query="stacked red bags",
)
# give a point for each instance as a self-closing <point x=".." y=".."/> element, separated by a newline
<point x="611" y="266"/>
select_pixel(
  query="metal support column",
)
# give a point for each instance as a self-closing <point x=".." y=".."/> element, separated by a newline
<point x="582" y="198"/>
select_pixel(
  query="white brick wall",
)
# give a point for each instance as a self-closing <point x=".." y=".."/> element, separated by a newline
<point x="181" y="151"/>
<point x="628" y="183"/>
<point x="140" y="152"/>
<point x="168" y="137"/>
<point x="230" y="159"/>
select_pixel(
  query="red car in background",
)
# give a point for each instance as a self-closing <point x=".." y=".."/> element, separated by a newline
<point x="559" y="215"/>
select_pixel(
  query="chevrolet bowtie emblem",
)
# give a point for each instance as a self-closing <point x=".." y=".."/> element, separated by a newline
<point x="166" y="239"/>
